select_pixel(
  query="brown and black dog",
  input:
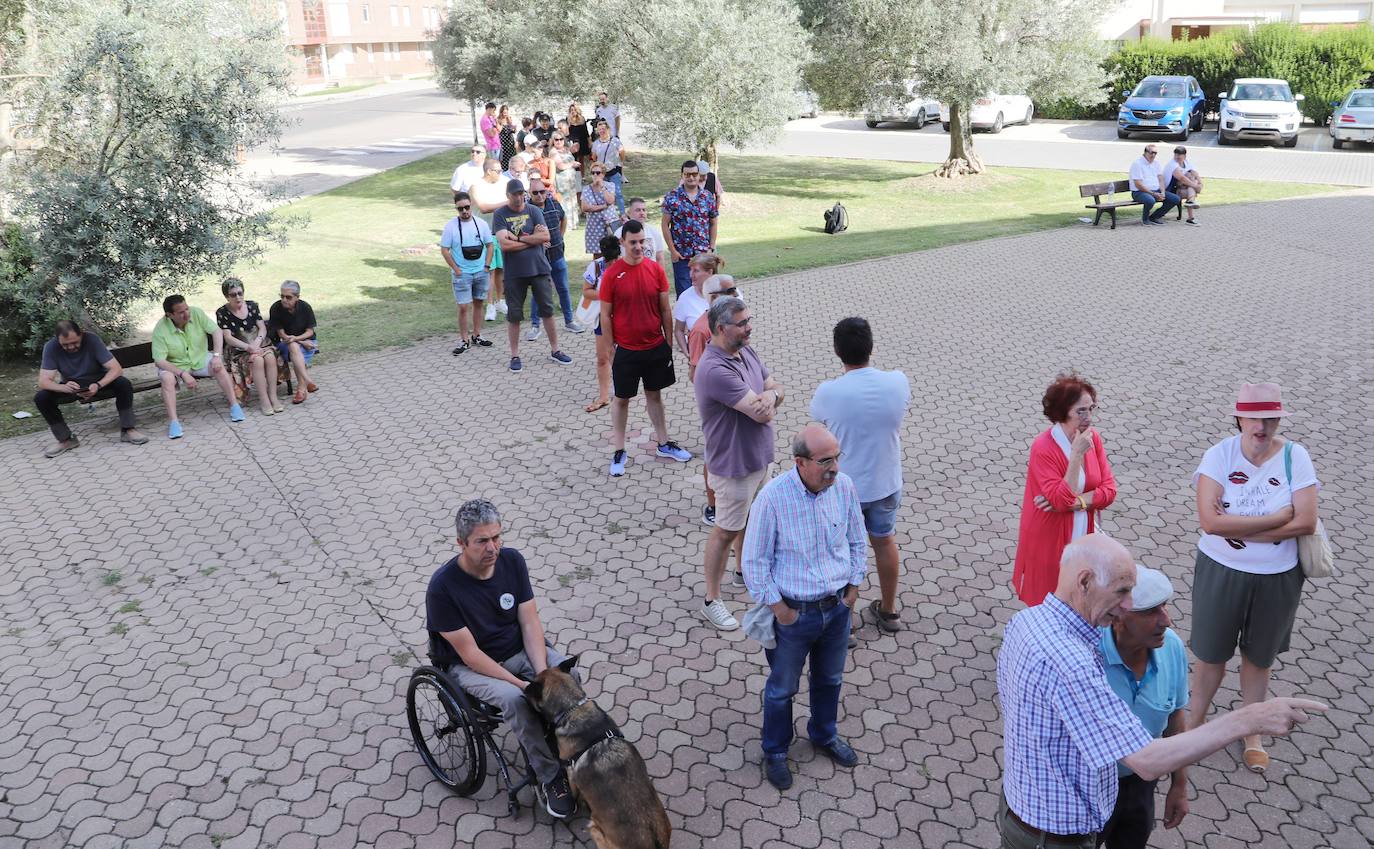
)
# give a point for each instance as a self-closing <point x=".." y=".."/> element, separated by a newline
<point x="603" y="767"/>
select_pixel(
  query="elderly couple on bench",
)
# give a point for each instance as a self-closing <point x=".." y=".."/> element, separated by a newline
<point x="186" y="345"/>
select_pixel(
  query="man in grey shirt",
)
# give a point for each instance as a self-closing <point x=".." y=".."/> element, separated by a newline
<point x="520" y="229"/>
<point x="864" y="408"/>
<point x="78" y="367"/>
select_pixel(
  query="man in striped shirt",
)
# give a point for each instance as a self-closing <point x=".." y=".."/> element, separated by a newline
<point x="805" y="555"/>
<point x="1064" y="729"/>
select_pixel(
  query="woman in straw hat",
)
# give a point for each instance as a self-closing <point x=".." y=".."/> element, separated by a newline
<point x="1256" y="493"/>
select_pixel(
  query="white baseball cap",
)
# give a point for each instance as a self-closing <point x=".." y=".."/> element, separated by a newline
<point x="1152" y="588"/>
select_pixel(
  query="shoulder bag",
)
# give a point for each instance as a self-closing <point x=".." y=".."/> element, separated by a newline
<point x="1314" y="549"/>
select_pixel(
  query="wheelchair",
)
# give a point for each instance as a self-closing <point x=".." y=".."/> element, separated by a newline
<point x="453" y="732"/>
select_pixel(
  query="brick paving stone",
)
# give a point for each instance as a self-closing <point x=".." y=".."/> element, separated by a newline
<point x="257" y="694"/>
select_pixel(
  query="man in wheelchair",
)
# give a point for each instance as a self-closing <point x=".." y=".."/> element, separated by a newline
<point x="485" y="634"/>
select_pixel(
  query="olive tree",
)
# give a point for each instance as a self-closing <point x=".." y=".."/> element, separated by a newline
<point x="131" y="183"/>
<point x="958" y="51"/>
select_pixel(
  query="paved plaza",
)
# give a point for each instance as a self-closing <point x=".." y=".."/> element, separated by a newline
<point x="206" y="642"/>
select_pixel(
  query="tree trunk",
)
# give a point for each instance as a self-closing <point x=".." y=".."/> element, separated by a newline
<point x="963" y="159"/>
<point x="708" y="152"/>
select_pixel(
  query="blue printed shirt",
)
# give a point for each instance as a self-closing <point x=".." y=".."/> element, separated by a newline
<point x="1063" y="727"/>
<point x="802" y="544"/>
<point x="1154" y="697"/>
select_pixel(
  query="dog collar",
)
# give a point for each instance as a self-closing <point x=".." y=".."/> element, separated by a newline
<point x="563" y="715"/>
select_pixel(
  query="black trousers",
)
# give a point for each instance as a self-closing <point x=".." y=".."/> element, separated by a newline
<point x="1133" y="818"/>
<point x="47" y="404"/>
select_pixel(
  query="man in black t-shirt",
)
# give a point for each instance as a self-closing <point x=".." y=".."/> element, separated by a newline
<point x="78" y="367"/>
<point x="484" y="631"/>
<point x="291" y="326"/>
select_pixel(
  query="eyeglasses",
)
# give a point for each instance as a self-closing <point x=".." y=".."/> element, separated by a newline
<point x="1085" y="411"/>
<point x="743" y="322"/>
<point x="824" y="462"/>
<point x="464" y="208"/>
<point x="538" y="192"/>
<point x="238" y="294"/>
<point x="1151" y="152"/>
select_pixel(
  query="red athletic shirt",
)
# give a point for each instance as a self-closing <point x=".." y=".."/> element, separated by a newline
<point x="633" y="293"/>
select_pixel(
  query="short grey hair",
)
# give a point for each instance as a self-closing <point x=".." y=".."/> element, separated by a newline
<point x="292" y="286"/>
<point x="475" y="513"/>
<point x="1082" y="554"/>
<point x="723" y="310"/>
<point x="799" y="446"/>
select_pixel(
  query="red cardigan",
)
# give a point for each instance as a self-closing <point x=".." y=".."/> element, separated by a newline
<point x="1044" y="535"/>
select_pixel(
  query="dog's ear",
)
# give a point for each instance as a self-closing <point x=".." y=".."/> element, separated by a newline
<point x="567" y="665"/>
<point x="534" y="692"/>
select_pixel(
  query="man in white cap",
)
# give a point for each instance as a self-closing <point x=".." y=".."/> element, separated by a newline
<point x="1147" y="667"/>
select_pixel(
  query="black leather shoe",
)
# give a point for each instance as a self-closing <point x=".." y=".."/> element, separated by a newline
<point x="777" y="772"/>
<point x="839" y="752"/>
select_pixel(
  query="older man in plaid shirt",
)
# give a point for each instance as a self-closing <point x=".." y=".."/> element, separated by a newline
<point x="1064" y="729"/>
<point x="805" y="554"/>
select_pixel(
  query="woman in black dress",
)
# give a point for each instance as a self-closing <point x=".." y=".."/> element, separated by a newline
<point x="505" y="125"/>
<point x="245" y="341"/>
<point x="578" y="134"/>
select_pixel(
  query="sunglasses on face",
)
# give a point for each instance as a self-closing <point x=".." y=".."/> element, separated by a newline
<point x="539" y="192"/>
<point x="236" y="294"/>
<point x="465" y="207"/>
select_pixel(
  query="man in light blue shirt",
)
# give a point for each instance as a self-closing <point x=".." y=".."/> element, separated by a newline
<point x="864" y="408"/>
<point x="1147" y="667"/>
<point x="805" y="556"/>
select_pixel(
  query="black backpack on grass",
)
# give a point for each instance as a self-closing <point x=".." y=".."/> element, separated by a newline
<point x="836" y="219"/>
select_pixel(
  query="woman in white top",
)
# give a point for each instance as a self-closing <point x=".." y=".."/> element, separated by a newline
<point x="692" y="303"/>
<point x="488" y="195"/>
<point x="1256" y="493"/>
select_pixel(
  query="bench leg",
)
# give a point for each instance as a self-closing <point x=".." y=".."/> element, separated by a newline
<point x="1097" y="217"/>
<point x="1113" y="212"/>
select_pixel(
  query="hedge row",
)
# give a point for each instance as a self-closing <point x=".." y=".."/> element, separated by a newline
<point x="1323" y="66"/>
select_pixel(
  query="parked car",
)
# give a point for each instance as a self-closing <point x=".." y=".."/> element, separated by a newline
<point x="1261" y="110"/>
<point x="1162" y="105"/>
<point x="808" y="104"/>
<point x="1353" y="118"/>
<point x="994" y="112"/>
<point x="916" y="111"/>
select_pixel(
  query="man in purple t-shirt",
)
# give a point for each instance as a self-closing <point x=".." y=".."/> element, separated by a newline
<point x="736" y="397"/>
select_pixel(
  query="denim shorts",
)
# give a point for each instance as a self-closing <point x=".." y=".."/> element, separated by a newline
<point x="308" y="354"/>
<point x="880" y="517"/>
<point x="470" y="286"/>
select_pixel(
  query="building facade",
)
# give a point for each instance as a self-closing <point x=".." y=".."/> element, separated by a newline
<point x="1133" y="20"/>
<point x="334" y="42"/>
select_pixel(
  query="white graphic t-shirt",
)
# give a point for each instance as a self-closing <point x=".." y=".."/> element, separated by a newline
<point x="1247" y="490"/>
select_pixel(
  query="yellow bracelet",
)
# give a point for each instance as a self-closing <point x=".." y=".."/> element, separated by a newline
<point x="1082" y="503"/>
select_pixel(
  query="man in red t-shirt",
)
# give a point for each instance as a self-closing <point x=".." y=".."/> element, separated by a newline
<point x="638" y="321"/>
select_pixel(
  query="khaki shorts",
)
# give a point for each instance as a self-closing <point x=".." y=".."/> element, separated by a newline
<point x="734" y="495"/>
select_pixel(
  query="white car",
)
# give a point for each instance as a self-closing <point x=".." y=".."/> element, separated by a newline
<point x="916" y="112"/>
<point x="1353" y="118"/>
<point x="1261" y="110"/>
<point x="994" y="112"/>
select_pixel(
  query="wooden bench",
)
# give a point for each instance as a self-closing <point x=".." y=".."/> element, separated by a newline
<point x="1097" y="190"/>
<point x="133" y="356"/>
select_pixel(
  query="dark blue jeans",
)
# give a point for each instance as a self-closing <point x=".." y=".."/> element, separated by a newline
<point x="822" y="636"/>
<point x="1170" y="204"/>
<point x="682" y="276"/>
<point x="558" y="270"/>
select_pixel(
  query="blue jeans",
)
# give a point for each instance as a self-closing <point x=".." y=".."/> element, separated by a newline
<point x="682" y="276"/>
<point x="618" y="180"/>
<point x="823" y="636"/>
<point x="558" y="270"/>
<point x="1170" y="203"/>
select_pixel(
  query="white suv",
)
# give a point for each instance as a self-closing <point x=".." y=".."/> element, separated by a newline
<point x="1260" y="110"/>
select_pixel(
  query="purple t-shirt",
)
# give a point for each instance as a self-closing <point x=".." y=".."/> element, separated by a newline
<point x="736" y="445"/>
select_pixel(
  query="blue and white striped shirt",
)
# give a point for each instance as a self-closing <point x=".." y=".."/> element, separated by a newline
<point x="1063" y="727"/>
<point x="804" y="545"/>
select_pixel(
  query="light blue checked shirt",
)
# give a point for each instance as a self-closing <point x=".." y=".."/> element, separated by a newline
<point x="1063" y="727"/>
<point x="804" y="545"/>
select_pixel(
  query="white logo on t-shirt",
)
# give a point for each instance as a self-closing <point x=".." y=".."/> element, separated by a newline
<point x="507" y="601"/>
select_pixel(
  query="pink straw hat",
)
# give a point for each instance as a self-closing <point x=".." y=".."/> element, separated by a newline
<point x="1259" y="401"/>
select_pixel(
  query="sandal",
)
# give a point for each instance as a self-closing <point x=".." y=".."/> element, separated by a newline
<point x="597" y="405"/>
<point x="1256" y="759"/>
<point x="299" y="397"/>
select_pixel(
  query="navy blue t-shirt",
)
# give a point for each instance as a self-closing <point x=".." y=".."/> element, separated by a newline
<point x="488" y="609"/>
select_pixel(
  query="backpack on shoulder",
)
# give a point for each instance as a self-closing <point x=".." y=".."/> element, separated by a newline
<point x="836" y="219"/>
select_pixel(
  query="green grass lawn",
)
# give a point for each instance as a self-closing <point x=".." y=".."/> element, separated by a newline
<point x="368" y="263"/>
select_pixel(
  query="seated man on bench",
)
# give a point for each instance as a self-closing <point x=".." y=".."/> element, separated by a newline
<point x="1147" y="187"/>
<point x="485" y="633"/>
<point x="77" y="366"/>
<point x="181" y="353"/>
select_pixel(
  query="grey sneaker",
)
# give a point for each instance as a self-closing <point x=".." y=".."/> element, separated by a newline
<point x="717" y="614"/>
<point x="536" y="329"/>
<point x="574" y="326"/>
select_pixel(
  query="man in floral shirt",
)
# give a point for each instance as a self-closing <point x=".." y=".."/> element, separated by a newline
<point x="689" y="223"/>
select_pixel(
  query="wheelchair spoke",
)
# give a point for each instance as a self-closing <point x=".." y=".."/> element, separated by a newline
<point x="444" y="735"/>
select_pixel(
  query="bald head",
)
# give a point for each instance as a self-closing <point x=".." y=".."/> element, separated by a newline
<point x="817" y="453"/>
<point x="1096" y="576"/>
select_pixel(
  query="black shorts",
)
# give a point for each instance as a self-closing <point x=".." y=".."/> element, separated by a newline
<point x="518" y="287"/>
<point x="654" y="367"/>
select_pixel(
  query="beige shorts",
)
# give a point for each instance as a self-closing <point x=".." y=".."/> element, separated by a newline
<point x="203" y="370"/>
<point x="734" y="495"/>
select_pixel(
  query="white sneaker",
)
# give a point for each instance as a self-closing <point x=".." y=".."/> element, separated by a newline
<point x="491" y="312"/>
<point x="501" y="306"/>
<point x="717" y="614"/>
<point x="533" y="333"/>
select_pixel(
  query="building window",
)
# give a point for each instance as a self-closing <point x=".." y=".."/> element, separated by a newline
<point x="313" y="11"/>
<point x="405" y="15"/>
<point x="395" y="16"/>
<point x="367" y="14"/>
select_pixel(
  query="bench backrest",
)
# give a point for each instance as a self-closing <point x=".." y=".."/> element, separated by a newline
<point x="132" y="356"/>
<point x="1109" y="188"/>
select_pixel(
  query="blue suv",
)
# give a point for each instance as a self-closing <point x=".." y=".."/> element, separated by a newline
<point x="1170" y="106"/>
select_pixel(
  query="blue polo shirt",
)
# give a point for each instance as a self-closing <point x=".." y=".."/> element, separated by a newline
<point x="1163" y="690"/>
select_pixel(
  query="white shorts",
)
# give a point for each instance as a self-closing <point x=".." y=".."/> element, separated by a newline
<point x="202" y="371"/>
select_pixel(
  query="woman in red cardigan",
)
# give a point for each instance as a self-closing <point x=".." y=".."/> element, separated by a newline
<point x="1068" y="479"/>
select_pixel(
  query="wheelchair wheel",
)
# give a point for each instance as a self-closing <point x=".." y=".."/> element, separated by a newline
<point x="443" y="733"/>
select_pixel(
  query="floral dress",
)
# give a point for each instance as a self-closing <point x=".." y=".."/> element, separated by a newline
<point x="599" y="222"/>
<point x="507" y="145"/>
